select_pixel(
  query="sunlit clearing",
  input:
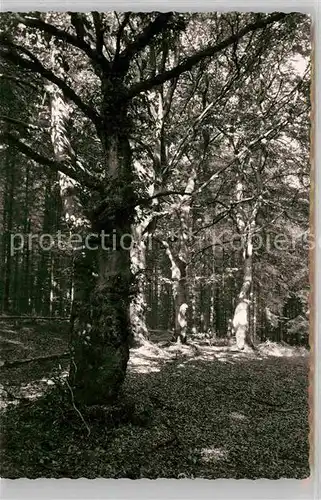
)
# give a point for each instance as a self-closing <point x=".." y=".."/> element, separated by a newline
<point x="31" y="391"/>
<point x="281" y="350"/>
<point x="213" y="454"/>
<point x="144" y="360"/>
<point x="238" y="416"/>
<point x="147" y="368"/>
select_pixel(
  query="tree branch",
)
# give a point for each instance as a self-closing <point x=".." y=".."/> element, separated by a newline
<point x="7" y="119"/>
<point x="17" y="362"/>
<point x="140" y="202"/>
<point x="208" y="52"/>
<point x="36" y="66"/>
<point x="19" y="81"/>
<point x="223" y="214"/>
<point x="215" y="220"/>
<point x="120" y="32"/>
<point x="76" y="41"/>
<point x="56" y="166"/>
<point x="142" y="40"/>
<point x="99" y="33"/>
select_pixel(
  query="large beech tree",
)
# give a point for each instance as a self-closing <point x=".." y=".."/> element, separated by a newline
<point x="99" y="196"/>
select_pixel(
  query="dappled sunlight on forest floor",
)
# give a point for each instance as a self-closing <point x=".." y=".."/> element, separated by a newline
<point x="195" y="410"/>
<point x="150" y="357"/>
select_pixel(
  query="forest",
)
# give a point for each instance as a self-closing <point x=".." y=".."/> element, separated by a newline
<point x="155" y="187"/>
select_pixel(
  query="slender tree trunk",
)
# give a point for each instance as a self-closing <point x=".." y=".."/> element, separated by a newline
<point x="154" y="302"/>
<point x="255" y="318"/>
<point x="246" y="226"/>
<point x="16" y="282"/>
<point x="51" y="286"/>
<point x="138" y="307"/>
<point x="179" y="260"/>
<point x="24" y="300"/>
<point x="180" y="304"/>
<point x="193" y="309"/>
<point x="145" y="222"/>
<point x="180" y="293"/>
<point x="212" y="301"/>
<point x="241" y="313"/>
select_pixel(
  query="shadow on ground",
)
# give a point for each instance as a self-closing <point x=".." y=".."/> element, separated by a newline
<point x="188" y="411"/>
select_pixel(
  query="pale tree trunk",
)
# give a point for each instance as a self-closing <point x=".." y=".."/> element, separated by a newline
<point x="142" y="230"/>
<point x="179" y="291"/>
<point x="241" y="313"/>
<point x="254" y="319"/>
<point x="193" y="309"/>
<point x="179" y="261"/>
<point x="138" y="304"/>
<point x="246" y="225"/>
<point x="212" y="298"/>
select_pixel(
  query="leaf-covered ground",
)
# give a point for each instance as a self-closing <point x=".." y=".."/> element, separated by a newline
<point x="193" y="411"/>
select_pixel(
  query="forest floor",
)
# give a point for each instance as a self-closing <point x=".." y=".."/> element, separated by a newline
<point x="194" y="411"/>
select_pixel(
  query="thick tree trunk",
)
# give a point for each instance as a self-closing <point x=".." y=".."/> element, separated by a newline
<point x="100" y="330"/>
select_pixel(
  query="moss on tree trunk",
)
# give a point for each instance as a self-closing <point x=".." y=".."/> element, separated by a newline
<point x="102" y="332"/>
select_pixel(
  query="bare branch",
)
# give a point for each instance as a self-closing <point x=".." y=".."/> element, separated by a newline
<point x="11" y="54"/>
<point x="7" y="119"/>
<point x="120" y="32"/>
<point x="99" y="33"/>
<point x="19" y="81"/>
<point x="56" y="166"/>
<point x="142" y="40"/>
<point x="208" y="52"/>
<point x="17" y="362"/>
<point x="76" y="41"/>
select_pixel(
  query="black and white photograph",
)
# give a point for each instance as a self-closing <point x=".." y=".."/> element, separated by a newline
<point x="156" y="245"/>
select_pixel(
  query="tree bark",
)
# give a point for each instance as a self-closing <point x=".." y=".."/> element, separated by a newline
<point x="138" y="307"/>
<point x="102" y="332"/>
<point x="152" y="176"/>
<point x="241" y="313"/>
<point x="179" y="260"/>
<point x="100" y="326"/>
<point x="180" y="304"/>
<point x="246" y="225"/>
<point x="10" y="180"/>
<point x="180" y="294"/>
